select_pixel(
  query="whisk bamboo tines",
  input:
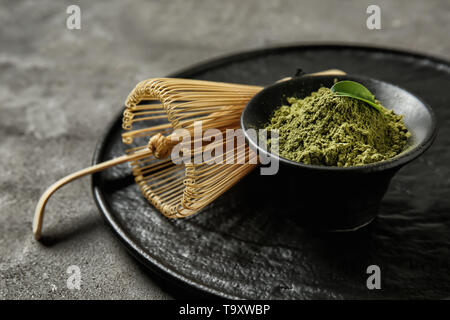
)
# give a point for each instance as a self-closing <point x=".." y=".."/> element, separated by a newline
<point x="178" y="190"/>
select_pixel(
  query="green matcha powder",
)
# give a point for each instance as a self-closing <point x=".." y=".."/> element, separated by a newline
<point x="324" y="129"/>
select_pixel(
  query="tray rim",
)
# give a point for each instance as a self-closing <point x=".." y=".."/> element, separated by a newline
<point x="153" y="264"/>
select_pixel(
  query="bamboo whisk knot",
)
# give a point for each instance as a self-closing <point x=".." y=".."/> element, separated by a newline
<point x="161" y="146"/>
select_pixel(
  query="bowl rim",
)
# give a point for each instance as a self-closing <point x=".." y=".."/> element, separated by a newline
<point x="395" y="162"/>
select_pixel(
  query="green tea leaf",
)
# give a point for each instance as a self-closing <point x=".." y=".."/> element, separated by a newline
<point x="355" y="90"/>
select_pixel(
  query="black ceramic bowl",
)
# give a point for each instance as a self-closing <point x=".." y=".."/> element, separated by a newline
<point x="337" y="198"/>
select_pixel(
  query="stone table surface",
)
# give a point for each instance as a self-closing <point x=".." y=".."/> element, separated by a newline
<point x="59" y="88"/>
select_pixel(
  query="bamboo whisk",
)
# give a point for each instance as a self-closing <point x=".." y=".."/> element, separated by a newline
<point x="178" y="190"/>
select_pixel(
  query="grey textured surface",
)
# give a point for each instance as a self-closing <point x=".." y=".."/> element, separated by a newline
<point x="59" y="88"/>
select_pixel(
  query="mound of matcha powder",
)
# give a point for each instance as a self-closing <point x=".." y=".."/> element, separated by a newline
<point x="324" y="129"/>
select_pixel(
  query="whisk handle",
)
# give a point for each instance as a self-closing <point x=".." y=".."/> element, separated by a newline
<point x="328" y="72"/>
<point x="39" y="212"/>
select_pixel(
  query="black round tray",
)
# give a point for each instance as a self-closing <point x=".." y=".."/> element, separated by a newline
<point x="241" y="248"/>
